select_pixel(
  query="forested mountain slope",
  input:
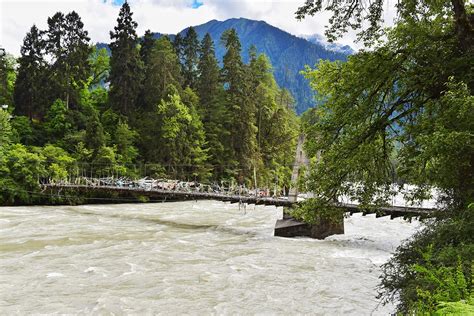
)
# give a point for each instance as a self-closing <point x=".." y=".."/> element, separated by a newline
<point x="287" y="53"/>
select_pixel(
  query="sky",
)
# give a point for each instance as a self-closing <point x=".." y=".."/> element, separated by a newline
<point x="164" y="16"/>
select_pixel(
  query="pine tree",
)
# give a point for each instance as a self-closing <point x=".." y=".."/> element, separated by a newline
<point x="162" y="70"/>
<point x="29" y="95"/>
<point x="241" y="108"/>
<point x="178" y="47"/>
<point x="208" y="84"/>
<point x="191" y="58"/>
<point x="147" y="44"/>
<point x="67" y="44"/>
<point x="125" y="64"/>
<point x="212" y="110"/>
<point x="277" y="125"/>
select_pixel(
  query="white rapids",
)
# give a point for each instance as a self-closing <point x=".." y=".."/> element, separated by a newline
<point x="201" y="257"/>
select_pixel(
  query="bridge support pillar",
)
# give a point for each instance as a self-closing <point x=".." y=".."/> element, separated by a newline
<point x="290" y="227"/>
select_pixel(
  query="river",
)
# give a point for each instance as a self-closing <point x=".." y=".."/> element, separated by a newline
<point x="200" y="257"/>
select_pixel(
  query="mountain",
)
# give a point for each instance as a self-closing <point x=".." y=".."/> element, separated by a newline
<point x="321" y="40"/>
<point x="288" y="53"/>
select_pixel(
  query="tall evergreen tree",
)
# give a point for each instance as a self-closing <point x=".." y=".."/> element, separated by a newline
<point x="29" y="95"/>
<point x="147" y="44"/>
<point x="67" y="44"/>
<point x="178" y="47"/>
<point x="162" y="70"/>
<point x="212" y="110"/>
<point x="191" y="58"/>
<point x="277" y="127"/>
<point x="242" y="110"/>
<point x="125" y="64"/>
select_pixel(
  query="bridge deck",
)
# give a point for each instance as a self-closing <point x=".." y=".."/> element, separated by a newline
<point x="174" y="195"/>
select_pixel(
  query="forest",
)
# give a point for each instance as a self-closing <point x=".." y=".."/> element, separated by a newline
<point x="155" y="107"/>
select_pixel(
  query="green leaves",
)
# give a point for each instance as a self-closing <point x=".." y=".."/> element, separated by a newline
<point x="5" y="128"/>
<point x="401" y="116"/>
<point x="126" y="67"/>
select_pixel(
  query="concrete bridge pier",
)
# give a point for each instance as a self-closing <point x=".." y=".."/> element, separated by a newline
<point x="290" y="227"/>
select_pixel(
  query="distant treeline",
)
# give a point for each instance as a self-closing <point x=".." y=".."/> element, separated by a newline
<point x="166" y="104"/>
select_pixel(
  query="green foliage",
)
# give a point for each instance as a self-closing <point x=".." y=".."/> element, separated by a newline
<point x="5" y="128"/>
<point x="58" y="163"/>
<point x="29" y="96"/>
<point x="20" y="171"/>
<point x="22" y="130"/>
<point x="124" y="138"/>
<point x="147" y="44"/>
<point x="57" y="121"/>
<point x="7" y="78"/>
<point x="68" y="46"/>
<point x="351" y="14"/>
<point x="277" y="126"/>
<point x="191" y="58"/>
<point x="94" y="138"/>
<point x="182" y="136"/>
<point x="99" y="62"/>
<point x="126" y="67"/>
<point x="455" y="308"/>
<point x="212" y="108"/>
<point x="162" y="70"/>
<point x="409" y="120"/>
<point x="241" y="109"/>
<point x="433" y="266"/>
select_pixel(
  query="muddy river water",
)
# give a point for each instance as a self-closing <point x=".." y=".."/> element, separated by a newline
<point x="201" y="257"/>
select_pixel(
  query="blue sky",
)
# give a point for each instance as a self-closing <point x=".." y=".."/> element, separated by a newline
<point x="195" y="4"/>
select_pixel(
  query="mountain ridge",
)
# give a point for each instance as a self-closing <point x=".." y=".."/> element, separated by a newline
<point x="288" y="53"/>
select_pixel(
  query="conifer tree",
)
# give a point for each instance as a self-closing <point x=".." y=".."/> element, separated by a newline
<point x="29" y="95"/>
<point x="67" y="44"/>
<point x="191" y="58"/>
<point x="277" y="128"/>
<point x="162" y="70"/>
<point x="241" y="109"/>
<point x="125" y="64"/>
<point x="212" y="110"/>
<point x="178" y="47"/>
<point x="147" y="44"/>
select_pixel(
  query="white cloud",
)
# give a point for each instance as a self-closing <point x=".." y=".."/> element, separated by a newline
<point x="165" y="16"/>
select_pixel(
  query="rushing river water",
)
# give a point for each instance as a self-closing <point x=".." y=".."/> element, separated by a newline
<point x="187" y="258"/>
